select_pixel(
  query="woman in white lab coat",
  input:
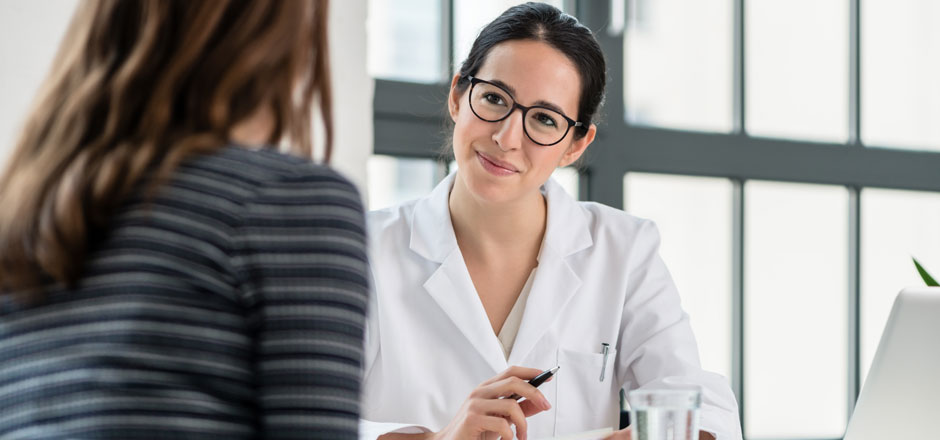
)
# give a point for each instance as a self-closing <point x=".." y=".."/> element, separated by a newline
<point x="499" y="274"/>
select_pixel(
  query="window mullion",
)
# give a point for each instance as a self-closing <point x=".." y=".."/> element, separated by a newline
<point x="855" y="70"/>
<point x="738" y="122"/>
<point x="737" y="301"/>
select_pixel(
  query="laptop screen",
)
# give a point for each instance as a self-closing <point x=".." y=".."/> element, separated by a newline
<point x="901" y="395"/>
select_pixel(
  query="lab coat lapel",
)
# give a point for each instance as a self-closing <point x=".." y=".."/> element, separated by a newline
<point x="555" y="283"/>
<point x="432" y="236"/>
<point x="453" y="290"/>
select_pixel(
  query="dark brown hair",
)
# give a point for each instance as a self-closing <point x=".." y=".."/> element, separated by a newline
<point x="137" y="87"/>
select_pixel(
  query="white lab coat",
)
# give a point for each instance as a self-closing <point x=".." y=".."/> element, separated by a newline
<point x="599" y="280"/>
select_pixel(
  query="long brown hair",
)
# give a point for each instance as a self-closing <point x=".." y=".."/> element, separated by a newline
<point x="137" y="87"/>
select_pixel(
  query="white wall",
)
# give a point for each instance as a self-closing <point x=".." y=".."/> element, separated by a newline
<point x="352" y="90"/>
<point x="30" y="31"/>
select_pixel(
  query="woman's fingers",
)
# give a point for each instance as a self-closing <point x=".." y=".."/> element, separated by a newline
<point x="506" y="409"/>
<point x="489" y="410"/>
<point x="513" y="371"/>
<point x="498" y="425"/>
<point x="530" y="408"/>
<point x="513" y="385"/>
<point x="623" y="434"/>
<point x="510" y="408"/>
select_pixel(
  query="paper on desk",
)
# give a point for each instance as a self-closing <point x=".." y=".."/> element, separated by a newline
<point x="597" y="434"/>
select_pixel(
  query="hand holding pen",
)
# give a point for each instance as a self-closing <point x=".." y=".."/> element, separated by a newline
<point x="494" y="406"/>
<point x="538" y="380"/>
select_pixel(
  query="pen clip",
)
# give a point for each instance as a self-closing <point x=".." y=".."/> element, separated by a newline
<point x="605" y="349"/>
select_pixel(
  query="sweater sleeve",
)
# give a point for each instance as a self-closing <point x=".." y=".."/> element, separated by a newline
<point x="302" y="262"/>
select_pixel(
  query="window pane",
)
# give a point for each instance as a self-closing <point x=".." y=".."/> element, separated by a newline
<point x="471" y="15"/>
<point x="795" y="305"/>
<point x="405" y="40"/>
<point x="394" y="180"/>
<point x="796" y="60"/>
<point x="896" y="225"/>
<point x="694" y="219"/>
<point x="678" y="64"/>
<point x="900" y="67"/>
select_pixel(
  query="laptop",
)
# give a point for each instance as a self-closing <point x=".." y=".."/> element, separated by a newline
<point x="901" y="396"/>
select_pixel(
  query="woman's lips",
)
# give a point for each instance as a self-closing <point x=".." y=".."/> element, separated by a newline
<point x="495" y="167"/>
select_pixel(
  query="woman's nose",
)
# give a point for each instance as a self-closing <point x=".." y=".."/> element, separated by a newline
<point x="510" y="132"/>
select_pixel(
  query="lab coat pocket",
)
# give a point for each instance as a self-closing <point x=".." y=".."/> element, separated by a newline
<point x="586" y="401"/>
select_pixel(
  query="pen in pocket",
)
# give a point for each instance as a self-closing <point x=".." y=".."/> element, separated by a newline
<point x="605" y="348"/>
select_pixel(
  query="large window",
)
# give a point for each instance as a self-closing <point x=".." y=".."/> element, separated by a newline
<point x="788" y="151"/>
<point x="678" y="64"/>
<point x="900" y="92"/>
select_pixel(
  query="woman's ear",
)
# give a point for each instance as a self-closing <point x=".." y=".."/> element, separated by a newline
<point x="453" y="98"/>
<point x="577" y="148"/>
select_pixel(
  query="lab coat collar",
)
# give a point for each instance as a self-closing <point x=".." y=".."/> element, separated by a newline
<point x="566" y="232"/>
<point x="432" y="233"/>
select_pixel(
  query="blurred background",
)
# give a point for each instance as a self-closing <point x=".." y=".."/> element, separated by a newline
<point x="789" y="151"/>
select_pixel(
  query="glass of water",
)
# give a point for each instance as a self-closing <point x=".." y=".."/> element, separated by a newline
<point x="668" y="414"/>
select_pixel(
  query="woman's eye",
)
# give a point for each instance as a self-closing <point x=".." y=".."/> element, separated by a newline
<point x="546" y="120"/>
<point x="493" y="98"/>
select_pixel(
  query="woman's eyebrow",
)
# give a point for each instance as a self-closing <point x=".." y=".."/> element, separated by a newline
<point x="509" y="88"/>
<point x="548" y="105"/>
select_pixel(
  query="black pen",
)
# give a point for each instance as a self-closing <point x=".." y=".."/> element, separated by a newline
<point x="537" y="380"/>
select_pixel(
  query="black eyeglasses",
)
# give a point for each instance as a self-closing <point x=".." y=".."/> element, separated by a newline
<point x="543" y="125"/>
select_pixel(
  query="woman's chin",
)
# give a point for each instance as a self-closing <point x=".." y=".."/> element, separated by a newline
<point x="491" y="190"/>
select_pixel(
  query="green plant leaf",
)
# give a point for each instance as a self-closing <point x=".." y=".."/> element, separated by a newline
<point x="923" y="274"/>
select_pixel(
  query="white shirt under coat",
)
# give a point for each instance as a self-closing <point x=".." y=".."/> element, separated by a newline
<point x="599" y="280"/>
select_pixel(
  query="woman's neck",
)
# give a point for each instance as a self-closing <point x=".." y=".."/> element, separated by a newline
<point x="487" y="229"/>
<point x="255" y="130"/>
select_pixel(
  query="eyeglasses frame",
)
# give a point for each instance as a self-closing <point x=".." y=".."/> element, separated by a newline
<point x="515" y="105"/>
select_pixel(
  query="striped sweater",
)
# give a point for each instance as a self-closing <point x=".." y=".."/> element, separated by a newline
<point x="230" y="306"/>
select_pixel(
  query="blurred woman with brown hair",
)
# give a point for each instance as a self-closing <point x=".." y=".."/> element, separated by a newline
<point x="163" y="272"/>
